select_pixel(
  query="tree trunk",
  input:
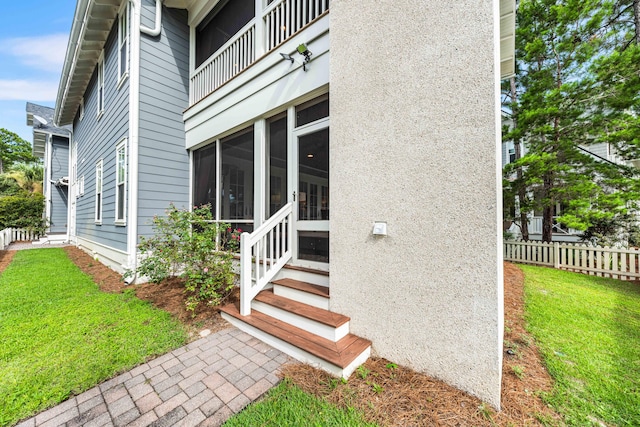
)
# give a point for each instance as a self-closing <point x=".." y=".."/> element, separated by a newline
<point x="524" y="224"/>
<point x="547" y="210"/>
<point x="636" y="19"/>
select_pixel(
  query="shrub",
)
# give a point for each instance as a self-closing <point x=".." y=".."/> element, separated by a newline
<point x="188" y="244"/>
<point x="23" y="211"/>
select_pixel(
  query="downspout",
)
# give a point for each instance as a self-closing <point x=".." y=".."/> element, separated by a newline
<point x="71" y="193"/>
<point x="134" y="127"/>
<point x="48" y="161"/>
<point x="155" y="31"/>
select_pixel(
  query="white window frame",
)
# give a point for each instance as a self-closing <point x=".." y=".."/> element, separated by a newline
<point x="74" y="168"/>
<point x="99" y="189"/>
<point x="124" y="22"/>
<point x="121" y="181"/>
<point x="81" y="185"/>
<point x="100" y="86"/>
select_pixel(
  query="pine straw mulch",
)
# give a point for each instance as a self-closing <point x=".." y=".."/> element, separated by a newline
<point x="386" y="394"/>
<point x="398" y="396"/>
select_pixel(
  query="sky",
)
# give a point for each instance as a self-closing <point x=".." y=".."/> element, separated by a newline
<point x="33" y="43"/>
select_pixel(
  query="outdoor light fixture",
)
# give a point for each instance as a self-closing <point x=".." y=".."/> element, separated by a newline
<point x="286" y="57"/>
<point x="304" y="51"/>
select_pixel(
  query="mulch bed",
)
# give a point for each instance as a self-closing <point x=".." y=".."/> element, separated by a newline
<point x="387" y="394"/>
<point x="407" y="398"/>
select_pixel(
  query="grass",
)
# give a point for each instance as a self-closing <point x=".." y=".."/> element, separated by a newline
<point x="60" y="335"/>
<point x="287" y="405"/>
<point x="588" y="330"/>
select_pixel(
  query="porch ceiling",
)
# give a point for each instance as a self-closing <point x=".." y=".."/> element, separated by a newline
<point x="92" y="22"/>
<point x="507" y="38"/>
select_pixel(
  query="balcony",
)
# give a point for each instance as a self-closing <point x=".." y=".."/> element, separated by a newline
<point x="278" y="22"/>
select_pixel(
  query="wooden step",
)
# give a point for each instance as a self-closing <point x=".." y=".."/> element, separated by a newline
<point x="306" y="269"/>
<point x="310" y="288"/>
<point x="319" y="321"/>
<point x="345" y="354"/>
<point x="319" y="315"/>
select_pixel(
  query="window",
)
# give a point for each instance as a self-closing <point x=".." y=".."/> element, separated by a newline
<point x="222" y="23"/>
<point x="101" y="85"/>
<point x="223" y="177"/>
<point x="123" y="43"/>
<point x="98" y="206"/>
<point x="121" y="178"/>
<point x="74" y="168"/>
<point x="512" y="155"/>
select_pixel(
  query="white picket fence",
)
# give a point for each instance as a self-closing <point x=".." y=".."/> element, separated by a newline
<point x="9" y="235"/>
<point x="617" y="263"/>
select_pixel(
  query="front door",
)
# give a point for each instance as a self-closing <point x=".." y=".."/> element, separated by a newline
<point x="311" y="195"/>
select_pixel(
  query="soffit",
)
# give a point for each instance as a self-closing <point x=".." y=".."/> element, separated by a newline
<point x="507" y="38"/>
<point x="91" y="26"/>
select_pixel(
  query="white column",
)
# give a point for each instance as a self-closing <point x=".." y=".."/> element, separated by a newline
<point x="260" y="174"/>
<point x="260" y="36"/>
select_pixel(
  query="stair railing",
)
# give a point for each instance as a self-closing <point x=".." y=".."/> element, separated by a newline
<point x="263" y="253"/>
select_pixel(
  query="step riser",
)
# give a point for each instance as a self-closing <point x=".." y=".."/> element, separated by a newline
<point x="303" y="276"/>
<point x="298" y="353"/>
<point x="301" y="296"/>
<point x="316" y="328"/>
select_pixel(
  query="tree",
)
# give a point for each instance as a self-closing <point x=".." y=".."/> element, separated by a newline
<point x="28" y="177"/>
<point x="574" y="65"/>
<point x="13" y="149"/>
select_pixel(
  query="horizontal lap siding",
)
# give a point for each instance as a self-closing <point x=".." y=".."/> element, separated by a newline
<point x="97" y="139"/>
<point x="164" y="95"/>
<point x="59" y="169"/>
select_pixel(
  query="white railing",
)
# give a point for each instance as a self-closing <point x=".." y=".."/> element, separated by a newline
<point x="535" y="227"/>
<point x="284" y="18"/>
<point x="617" y="263"/>
<point x="263" y="253"/>
<point x="231" y="59"/>
<point x="277" y="23"/>
<point x="10" y="235"/>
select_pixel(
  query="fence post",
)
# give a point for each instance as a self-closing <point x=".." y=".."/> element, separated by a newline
<point x="556" y="255"/>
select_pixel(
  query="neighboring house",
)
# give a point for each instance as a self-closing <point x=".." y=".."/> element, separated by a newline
<point x="51" y="144"/>
<point x="355" y="161"/>
<point x="602" y="151"/>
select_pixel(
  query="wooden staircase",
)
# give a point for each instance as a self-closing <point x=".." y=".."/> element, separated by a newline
<point x="293" y="316"/>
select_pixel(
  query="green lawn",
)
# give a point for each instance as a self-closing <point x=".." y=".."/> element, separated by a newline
<point x="588" y="329"/>
<point x="288" y="406"/>
<point x="60" y="335"/>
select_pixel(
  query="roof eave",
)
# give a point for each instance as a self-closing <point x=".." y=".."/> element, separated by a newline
<point x="507" y="38"/>
<point x="92" y="23"/>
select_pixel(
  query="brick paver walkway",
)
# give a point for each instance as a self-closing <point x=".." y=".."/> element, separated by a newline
<point x="201" y="384"/>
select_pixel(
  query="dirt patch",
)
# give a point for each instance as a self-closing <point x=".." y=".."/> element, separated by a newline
<point x="168" y="295"/>
<point x="5" y="259"/>
<point x="387" y="394"/>
<point x="392" y="395"/>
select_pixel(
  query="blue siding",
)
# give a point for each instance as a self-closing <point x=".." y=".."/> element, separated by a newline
<point x="97" y="139"/>
<point x="164" y="95"/>
<point x="59" y="169"/>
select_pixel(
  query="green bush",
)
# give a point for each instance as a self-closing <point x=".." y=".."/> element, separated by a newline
<point x="188" y="244"/>
<point x="23" y="211"/>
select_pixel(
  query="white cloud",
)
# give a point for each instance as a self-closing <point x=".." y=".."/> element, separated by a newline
<point x="42" y="52"/>
<point x="27" y="90"/>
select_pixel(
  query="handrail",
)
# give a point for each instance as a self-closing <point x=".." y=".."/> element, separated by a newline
<point x="263" y="253"/>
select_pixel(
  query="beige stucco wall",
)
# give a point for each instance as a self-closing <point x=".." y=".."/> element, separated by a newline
<point x="415" y="143"/>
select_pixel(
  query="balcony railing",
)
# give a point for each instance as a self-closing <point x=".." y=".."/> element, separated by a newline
<point x="276" y="23"/>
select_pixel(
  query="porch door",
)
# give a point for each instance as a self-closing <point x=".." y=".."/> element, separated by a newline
<point x="310" y="158"/>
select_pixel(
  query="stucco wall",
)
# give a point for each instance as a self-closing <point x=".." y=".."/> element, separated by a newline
<point x="414" y="142"/>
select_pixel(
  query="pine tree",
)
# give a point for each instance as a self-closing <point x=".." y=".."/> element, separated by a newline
<point x="574" y="65"/>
